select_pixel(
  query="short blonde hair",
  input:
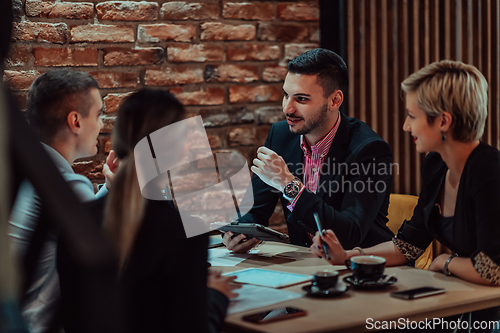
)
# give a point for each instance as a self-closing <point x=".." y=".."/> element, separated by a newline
<point x="454" y="87"/>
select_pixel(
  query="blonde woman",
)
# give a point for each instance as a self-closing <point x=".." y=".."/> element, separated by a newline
<point x="459" y="203"/>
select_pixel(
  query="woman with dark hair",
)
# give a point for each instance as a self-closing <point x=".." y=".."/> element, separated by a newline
<point x="158" y="289"/>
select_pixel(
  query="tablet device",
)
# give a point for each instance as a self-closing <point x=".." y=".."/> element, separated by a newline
<point x="268" y="278"/>
<point x="252" y="230"/>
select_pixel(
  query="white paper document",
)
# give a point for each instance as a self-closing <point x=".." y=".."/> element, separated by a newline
<point x="224" y="257"/>
<point x="251" y="297"/>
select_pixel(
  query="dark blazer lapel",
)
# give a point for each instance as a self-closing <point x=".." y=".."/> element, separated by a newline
<point x="336" y="155"/>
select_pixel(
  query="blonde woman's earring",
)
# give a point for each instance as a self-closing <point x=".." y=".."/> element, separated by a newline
<point x="443" y="136"/>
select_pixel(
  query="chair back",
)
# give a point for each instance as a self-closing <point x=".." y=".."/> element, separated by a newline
<point x="401" y="208"/>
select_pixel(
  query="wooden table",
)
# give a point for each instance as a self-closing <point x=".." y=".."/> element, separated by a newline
<point x="350" y="311"/>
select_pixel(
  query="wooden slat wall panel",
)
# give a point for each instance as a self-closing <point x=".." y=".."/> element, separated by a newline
<point x="387" y="40"/>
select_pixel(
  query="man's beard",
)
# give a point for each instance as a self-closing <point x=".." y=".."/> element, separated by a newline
<point x="314" y="123"/>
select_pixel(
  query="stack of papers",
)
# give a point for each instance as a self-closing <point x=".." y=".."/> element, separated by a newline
<point x="252" y="297"/>
<point x="224" y="257"/>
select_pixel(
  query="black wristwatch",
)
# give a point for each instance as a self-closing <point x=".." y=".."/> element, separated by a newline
<point x="292" y="189"/>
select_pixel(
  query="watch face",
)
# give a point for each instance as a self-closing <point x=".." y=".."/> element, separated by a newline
<point x="291" y="190"/>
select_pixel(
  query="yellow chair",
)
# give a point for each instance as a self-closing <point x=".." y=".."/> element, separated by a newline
<point x="401" y="208"/>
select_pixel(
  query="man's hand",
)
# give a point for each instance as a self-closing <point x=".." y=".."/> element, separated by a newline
<point x="271" y="168"/>
<point x="109" y="168"/>
<point x="222" y="284"/>
<point x="239" y="243"/>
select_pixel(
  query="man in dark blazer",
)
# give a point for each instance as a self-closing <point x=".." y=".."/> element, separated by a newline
<point x="320" y="160"/>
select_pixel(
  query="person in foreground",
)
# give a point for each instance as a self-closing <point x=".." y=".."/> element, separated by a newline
<point x="64" y="108"/>
<point x="320" y="161"/>
<point x="159" y="289"/>
<point x="459" y="203"/>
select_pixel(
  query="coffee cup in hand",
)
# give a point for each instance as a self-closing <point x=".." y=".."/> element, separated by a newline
<point x="366" y="268"/>
<point x="326" y="279"/>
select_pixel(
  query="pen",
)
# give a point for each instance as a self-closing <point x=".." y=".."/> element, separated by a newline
<point x="320" y="228"/>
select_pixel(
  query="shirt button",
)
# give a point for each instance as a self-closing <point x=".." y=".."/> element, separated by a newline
<point x="314" y="169"/>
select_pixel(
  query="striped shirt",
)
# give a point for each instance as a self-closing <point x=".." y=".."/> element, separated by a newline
<point x="314" y="157"/>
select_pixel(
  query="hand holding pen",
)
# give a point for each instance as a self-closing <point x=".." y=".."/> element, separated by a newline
<point x="320" y="229"/>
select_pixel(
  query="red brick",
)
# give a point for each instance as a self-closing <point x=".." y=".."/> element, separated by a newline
<point x="283" y="32"/>
<point x="315" y="34"/>
<point x="127" y="11"/>
<point x="215" y="141"/>
<point x="261" y="134"/>
<point x="241" y="136"/>
<point x="197" y="52"/>
<point x="181" y="10"/>
<point x="107" y="144"/>
<point x="223" y="160"/>
<point x="298" y="12"/>
<point x="268" y="115"/>
<point x="108" y="122"/>
<point x="266" y="93"/>
<point x="153" y="33"/>
<point x="69" y="10"/>
<point x="65" y="57"/>
<point x="118" y="79"/>
<point x="120" y="56"/>
<point x="231" y="73"/>
<point x="274" y="73"/>
<point x="193" y="181"/>
<point x="172" y="76"/>
<point x="57" y="33"/>
<point x="221" y="31"/>
<point x="248" y="11"/>
<point x="205" y="96"/>
<point x="19" y="80"/>
<point x="253" y="52"/>
<point x="90" y="169"/>
<point x="18" y="56"/>
<point x="113" y="101"/>
<point x="93" y="33"/>
<point x="219" y="118"/>
<point x="20" y="99"/>
<point x="294" y="50"/>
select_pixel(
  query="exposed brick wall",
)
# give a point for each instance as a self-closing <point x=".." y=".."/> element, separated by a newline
<point x="225" y="60"/>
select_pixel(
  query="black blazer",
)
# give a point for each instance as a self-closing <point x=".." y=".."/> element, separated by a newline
<point x="163" y="287"/>
<point x="476" y="227"/>
<point x="353" y="192"/>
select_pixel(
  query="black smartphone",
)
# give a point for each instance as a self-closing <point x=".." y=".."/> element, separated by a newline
<point x="274" y="315"/>
<point x="417" y="292"/>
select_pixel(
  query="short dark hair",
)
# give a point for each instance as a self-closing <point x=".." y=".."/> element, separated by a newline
<point x="53" y="95"/>
<point x="327" y="65"/>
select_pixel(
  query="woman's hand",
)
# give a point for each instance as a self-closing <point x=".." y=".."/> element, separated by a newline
<point x="335" y="249"/>
<point x="437" y="264"/>
<point x="222" y="284"/>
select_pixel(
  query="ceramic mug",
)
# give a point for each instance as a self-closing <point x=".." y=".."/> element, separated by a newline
<point x="325" y="279"/>
<point x="366" y="267"/>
